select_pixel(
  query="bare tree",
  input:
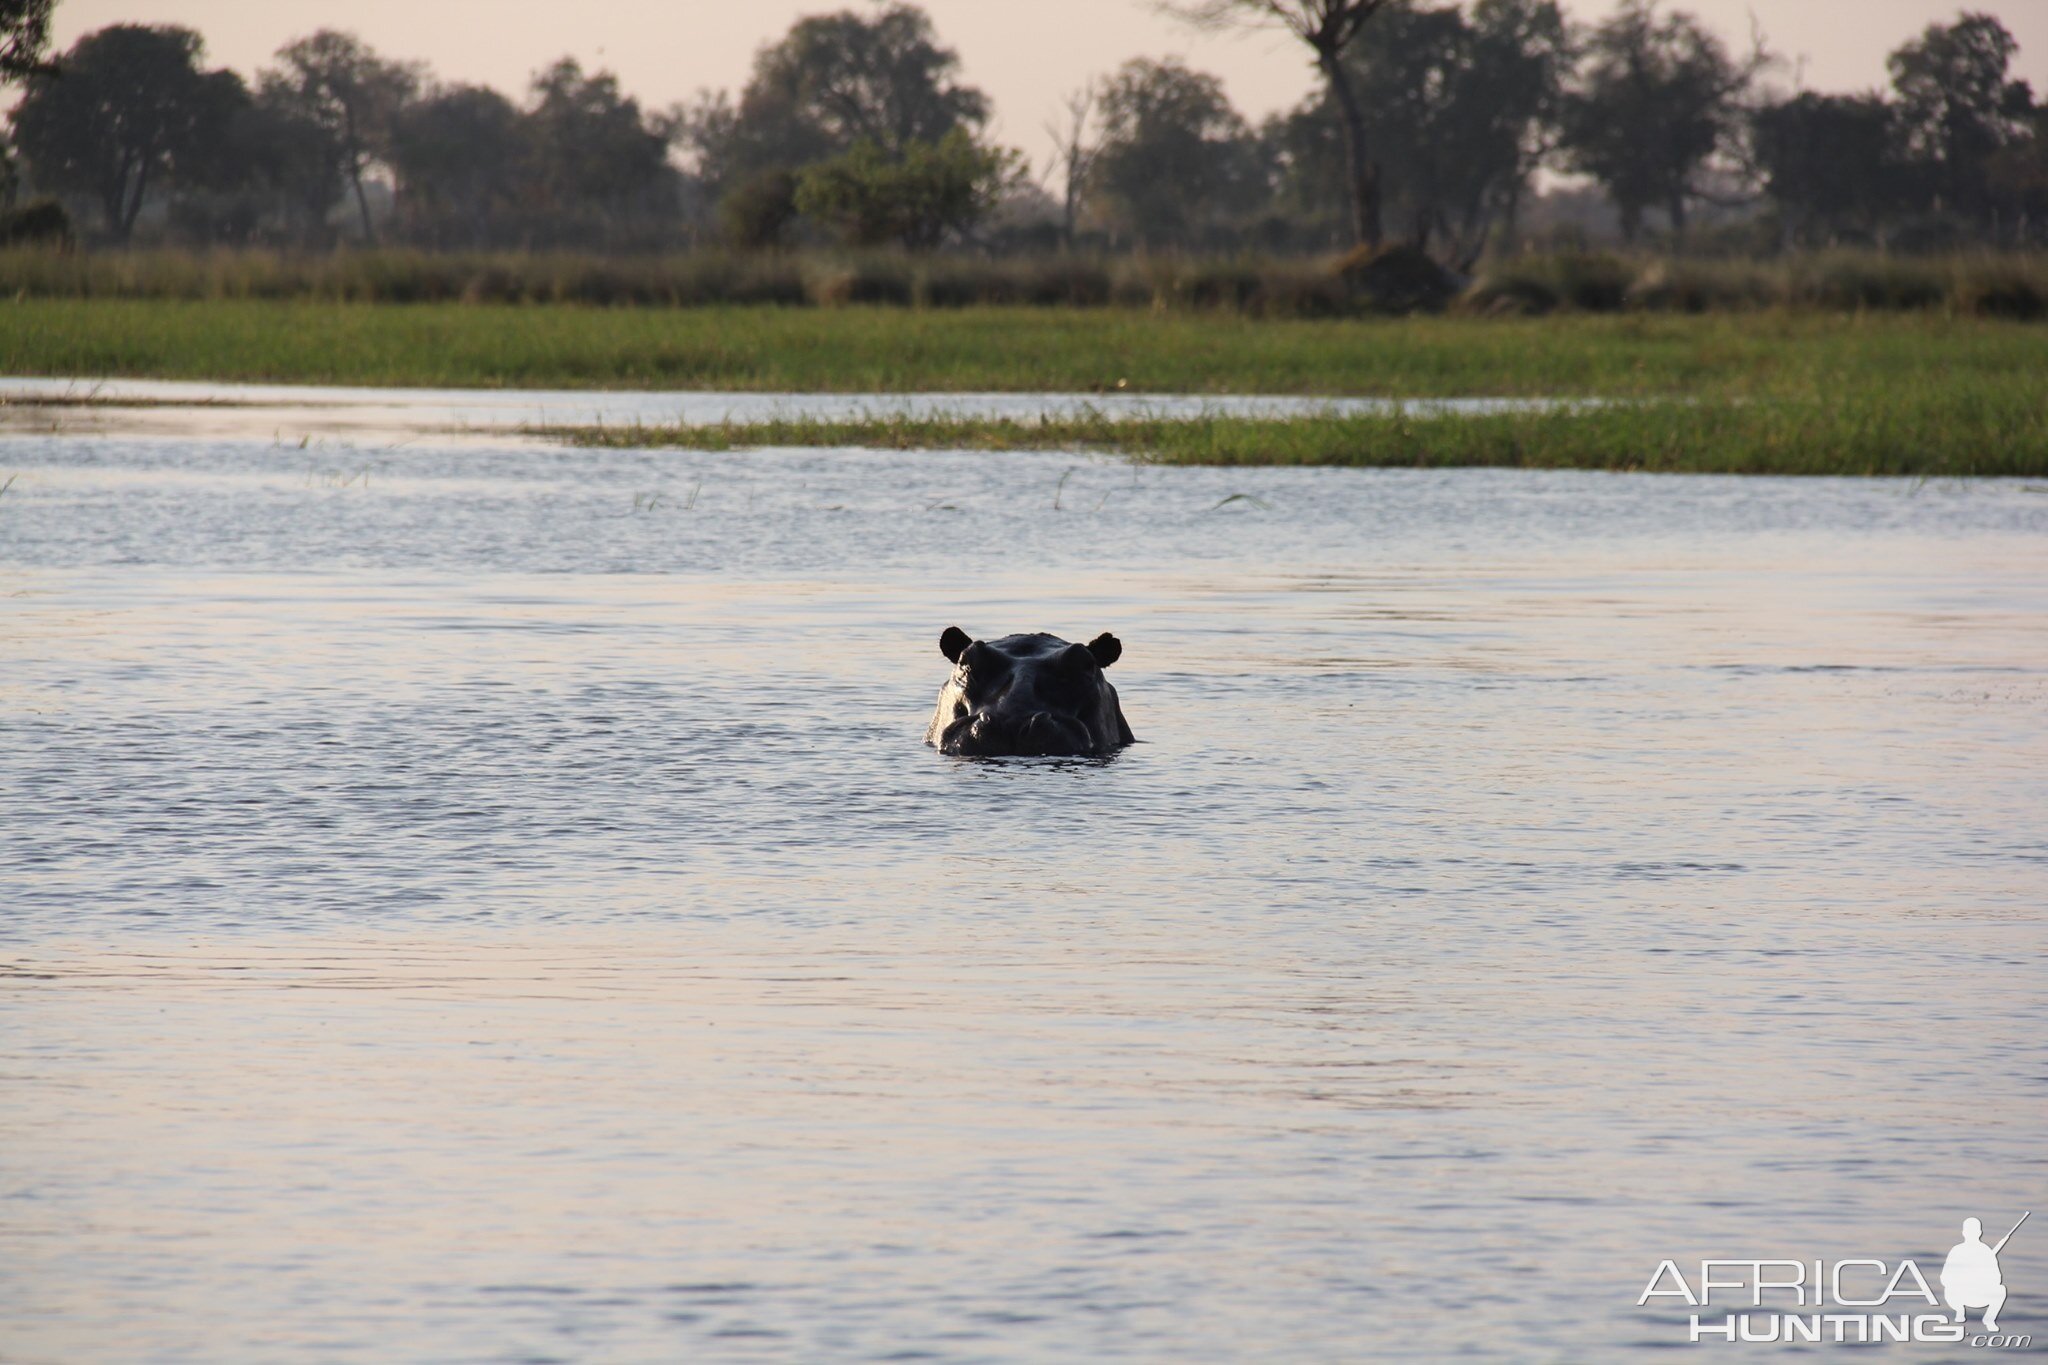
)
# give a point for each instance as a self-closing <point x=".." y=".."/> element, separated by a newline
<point x="1076" y="141"/>
<point x="1328" y="27"/>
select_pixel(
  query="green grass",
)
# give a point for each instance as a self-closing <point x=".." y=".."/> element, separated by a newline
<point x="1929" y="431"/>
<point x="886" y="350"/>
<point x="1772" y="391"/>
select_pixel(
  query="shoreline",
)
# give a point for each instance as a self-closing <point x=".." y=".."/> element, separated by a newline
<point x="1669" y="437"/>
<point x="1764" y="394"/>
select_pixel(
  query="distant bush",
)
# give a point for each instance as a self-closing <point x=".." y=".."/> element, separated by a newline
<point x="1397" y="279"/>
<point x="1587" y="282"/>
<point x="913" y="197"/>
<point x="759" y="211"/>
<point x="1510" y="295"/>
<point x="871" y="280"/>
<point x="1863" y="281"/>
<point x="1063" y="280"/>
<point x="40" y="222"/>
<point x="1305" y="291"/>
<point x="2002" y="289"/>
<point x="1989" y="285"/>
<point x="2011" y="286"/>
<point x="1682" y="286"/>
<point x="1227" y="285"/>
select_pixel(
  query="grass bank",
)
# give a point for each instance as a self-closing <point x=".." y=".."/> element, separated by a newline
<point x="880" y="350"/>
<point x="1978" y="430"/>
<point x="1765" y="392"/>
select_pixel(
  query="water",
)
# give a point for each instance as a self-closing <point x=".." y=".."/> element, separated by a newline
<point x="485" y="901"/>
<point x="296" y="411"/>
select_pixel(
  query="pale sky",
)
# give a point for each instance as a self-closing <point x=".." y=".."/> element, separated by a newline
<point x="1024" y="55"/>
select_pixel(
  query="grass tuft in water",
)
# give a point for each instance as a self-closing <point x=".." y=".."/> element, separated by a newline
<point x="1956" y="429"/>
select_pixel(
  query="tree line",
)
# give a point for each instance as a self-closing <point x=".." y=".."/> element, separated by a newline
<point x="1427" y="123"/>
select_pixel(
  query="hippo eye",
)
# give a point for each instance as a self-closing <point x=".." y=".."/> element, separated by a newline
<point x="981" y="667"/>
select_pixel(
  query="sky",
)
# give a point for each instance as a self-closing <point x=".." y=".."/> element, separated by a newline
<point x="1026" y="56"/>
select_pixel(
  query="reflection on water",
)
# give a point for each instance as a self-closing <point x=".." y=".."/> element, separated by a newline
<point x="298" y="411"/>
<point x="492" y="903"/>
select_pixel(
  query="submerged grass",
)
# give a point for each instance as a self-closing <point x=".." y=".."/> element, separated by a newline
<point x="1971" y="430"/>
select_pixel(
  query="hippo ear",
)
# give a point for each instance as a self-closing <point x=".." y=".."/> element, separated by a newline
<point x="1106" y="648"/>
<point x="954" y="642"/>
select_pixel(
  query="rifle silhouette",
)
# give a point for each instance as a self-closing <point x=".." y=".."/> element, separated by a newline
<point x="2008" y="1236"/>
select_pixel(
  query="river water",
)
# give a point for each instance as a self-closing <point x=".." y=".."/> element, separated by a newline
<point x="211" y="409"/>
<point x="487" y="901"/>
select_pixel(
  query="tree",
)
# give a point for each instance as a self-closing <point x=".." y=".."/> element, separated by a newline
<point x="594" y="151"/>
<point x="1173" y="152"/>
<point x="914" y="197"/>
<point x="460" y="155"/>
<point x="1329" y="27"/>
<point x="235" y="188"/>
<point x="1077" y="141"/>
<point x="1414" y="62"/>
<point x="294" y="157"/>
<point x="1658" y="97"/>
<point x="354" y="94"/>
<point x="706" y="132"/>
<point x="1957" y="108"/>
<point x="1523" y="51"/>
<point x="130" y="108"/>
<point x="1829" y="163"/>
<point x="24" y="33"/>
<point x="758" y="211"/>
<point x="1461" y="113"/>
<point x="1304" y="148"/>
<point x="883" y="79"/>
<point x="831" y="81"/>
<point x="2018" y="179"/>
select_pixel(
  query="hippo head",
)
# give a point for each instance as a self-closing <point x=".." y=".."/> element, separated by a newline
<point x="1027" y="696"/>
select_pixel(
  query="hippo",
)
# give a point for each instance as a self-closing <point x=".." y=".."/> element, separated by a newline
<point x="1028" y="696"/>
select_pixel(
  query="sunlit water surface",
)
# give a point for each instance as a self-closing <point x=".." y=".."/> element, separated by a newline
<point x="295" y="411"/>
<point x="492" y="903"/>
